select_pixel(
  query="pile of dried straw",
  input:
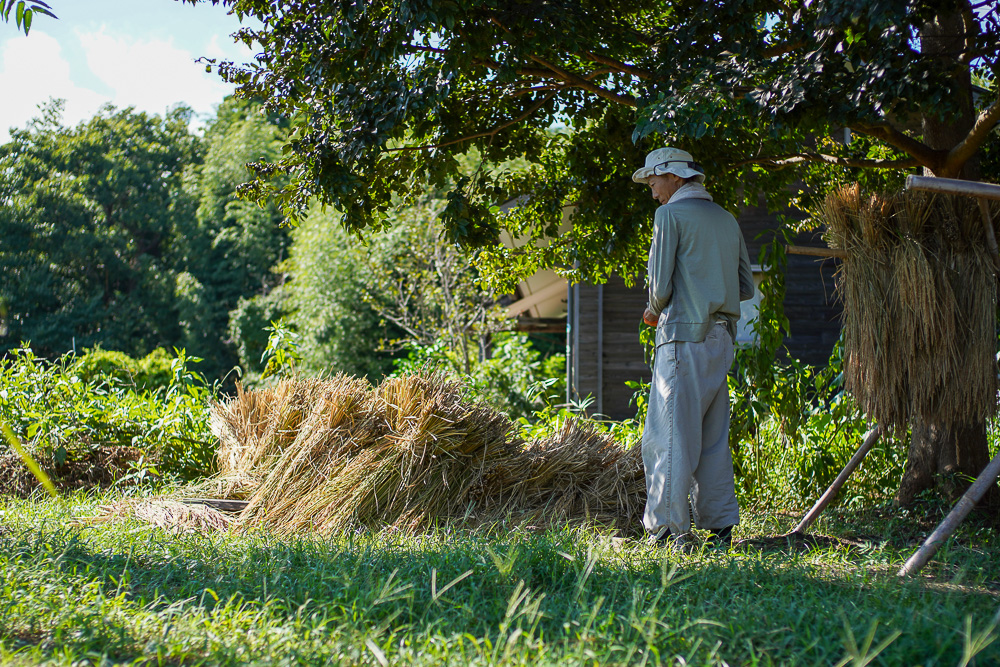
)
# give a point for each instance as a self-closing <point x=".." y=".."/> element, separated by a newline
<point x="170" y="515"/>
<point x="919" y="296"/>
<point x="328" y="455"/>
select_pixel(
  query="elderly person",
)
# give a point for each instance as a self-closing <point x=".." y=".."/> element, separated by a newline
<point x="698" y="273"/>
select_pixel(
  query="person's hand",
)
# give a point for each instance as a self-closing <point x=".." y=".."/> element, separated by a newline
<point x="650" y="318"/>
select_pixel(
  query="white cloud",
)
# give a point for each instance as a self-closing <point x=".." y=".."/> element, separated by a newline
<point x="151" y="75"/>
<point x="33" y="69"/>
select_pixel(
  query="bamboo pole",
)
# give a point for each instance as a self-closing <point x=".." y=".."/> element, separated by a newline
<point x="954" y="518"/>
<point x="866" y="446"/>
<point x="953" y="186"/>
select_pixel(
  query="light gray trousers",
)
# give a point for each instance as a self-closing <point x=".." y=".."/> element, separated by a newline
<point x="685" y="445"/>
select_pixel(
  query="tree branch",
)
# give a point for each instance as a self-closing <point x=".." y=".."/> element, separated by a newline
<point x="961" y="153"/>
<point x="488" y="133"/>
<point x="638" y="72"/>
<point x="535" y="89"/>
<point x="787" y="11"/>
<point x="580" y="82"/>
<point x="575" y="79"/>
<point x="790" y="159"/>
<point x="781" y="49"/>
<point x="642" y="37"/>
<point x="926" y="156"/>
<point x="904" y="163"/>
<point x="425" y="49"/>
<point x="971" y="29"/>
<point x="492" y="64"/>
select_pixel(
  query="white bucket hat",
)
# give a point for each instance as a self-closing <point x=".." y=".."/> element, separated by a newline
<point x="664" y="161"/>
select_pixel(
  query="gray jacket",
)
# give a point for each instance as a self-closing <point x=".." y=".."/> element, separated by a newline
<point x="699" y="270"/>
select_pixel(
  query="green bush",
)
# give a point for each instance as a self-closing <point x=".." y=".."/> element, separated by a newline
<point x="150" y="373"/>
<point x="513" y="379"/>
<point x="60" y="416"/>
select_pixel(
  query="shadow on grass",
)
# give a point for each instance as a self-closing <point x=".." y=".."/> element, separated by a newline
<point x="570" y="590"/>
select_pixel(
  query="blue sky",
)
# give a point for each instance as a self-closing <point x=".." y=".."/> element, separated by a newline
<point x="137" y="53"/>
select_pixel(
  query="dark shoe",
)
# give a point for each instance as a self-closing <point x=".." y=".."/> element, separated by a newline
<point x="723" y="537"/>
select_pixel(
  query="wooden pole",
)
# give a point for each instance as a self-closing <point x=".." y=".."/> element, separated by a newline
<point x="870" y="439"/>
<point x="815" y="252"/>
<point x="217" y="503"/>
<point x="955" y="517"/>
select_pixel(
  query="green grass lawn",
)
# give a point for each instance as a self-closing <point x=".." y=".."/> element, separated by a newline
<point x="126" y="592"/>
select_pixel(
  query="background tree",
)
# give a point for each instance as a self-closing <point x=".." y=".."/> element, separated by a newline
<point x="428" y="289"/>
<point x="125" y="231"/>
<point x="87" y="226"/>
<point x="360" y="305"/>
<point x="321" y="296"/>
<point x="389" y="90"/>
<point x="227" y="249"/>
<point x="396" y="301"/>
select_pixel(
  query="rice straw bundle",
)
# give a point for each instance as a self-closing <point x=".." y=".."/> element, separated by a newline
<point x="170" y="515"/>
<point x="400" y="454"/>
<point x="410" y="452"/>
<point x="256" y="427"/>
<point x="919" y="295"/>
<point x="312" y="451"/>
<point x="576" y="474"/>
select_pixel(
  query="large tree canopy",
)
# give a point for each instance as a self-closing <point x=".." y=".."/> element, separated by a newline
<point x="386" y="93"/>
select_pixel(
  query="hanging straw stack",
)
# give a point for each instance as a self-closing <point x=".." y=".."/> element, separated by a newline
<point x="330" y="455"/>
<point x="919" y="296"/>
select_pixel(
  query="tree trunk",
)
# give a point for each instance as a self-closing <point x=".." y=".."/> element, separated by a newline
<point x="944" y="37"/>
<point x="944" y="457"/>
